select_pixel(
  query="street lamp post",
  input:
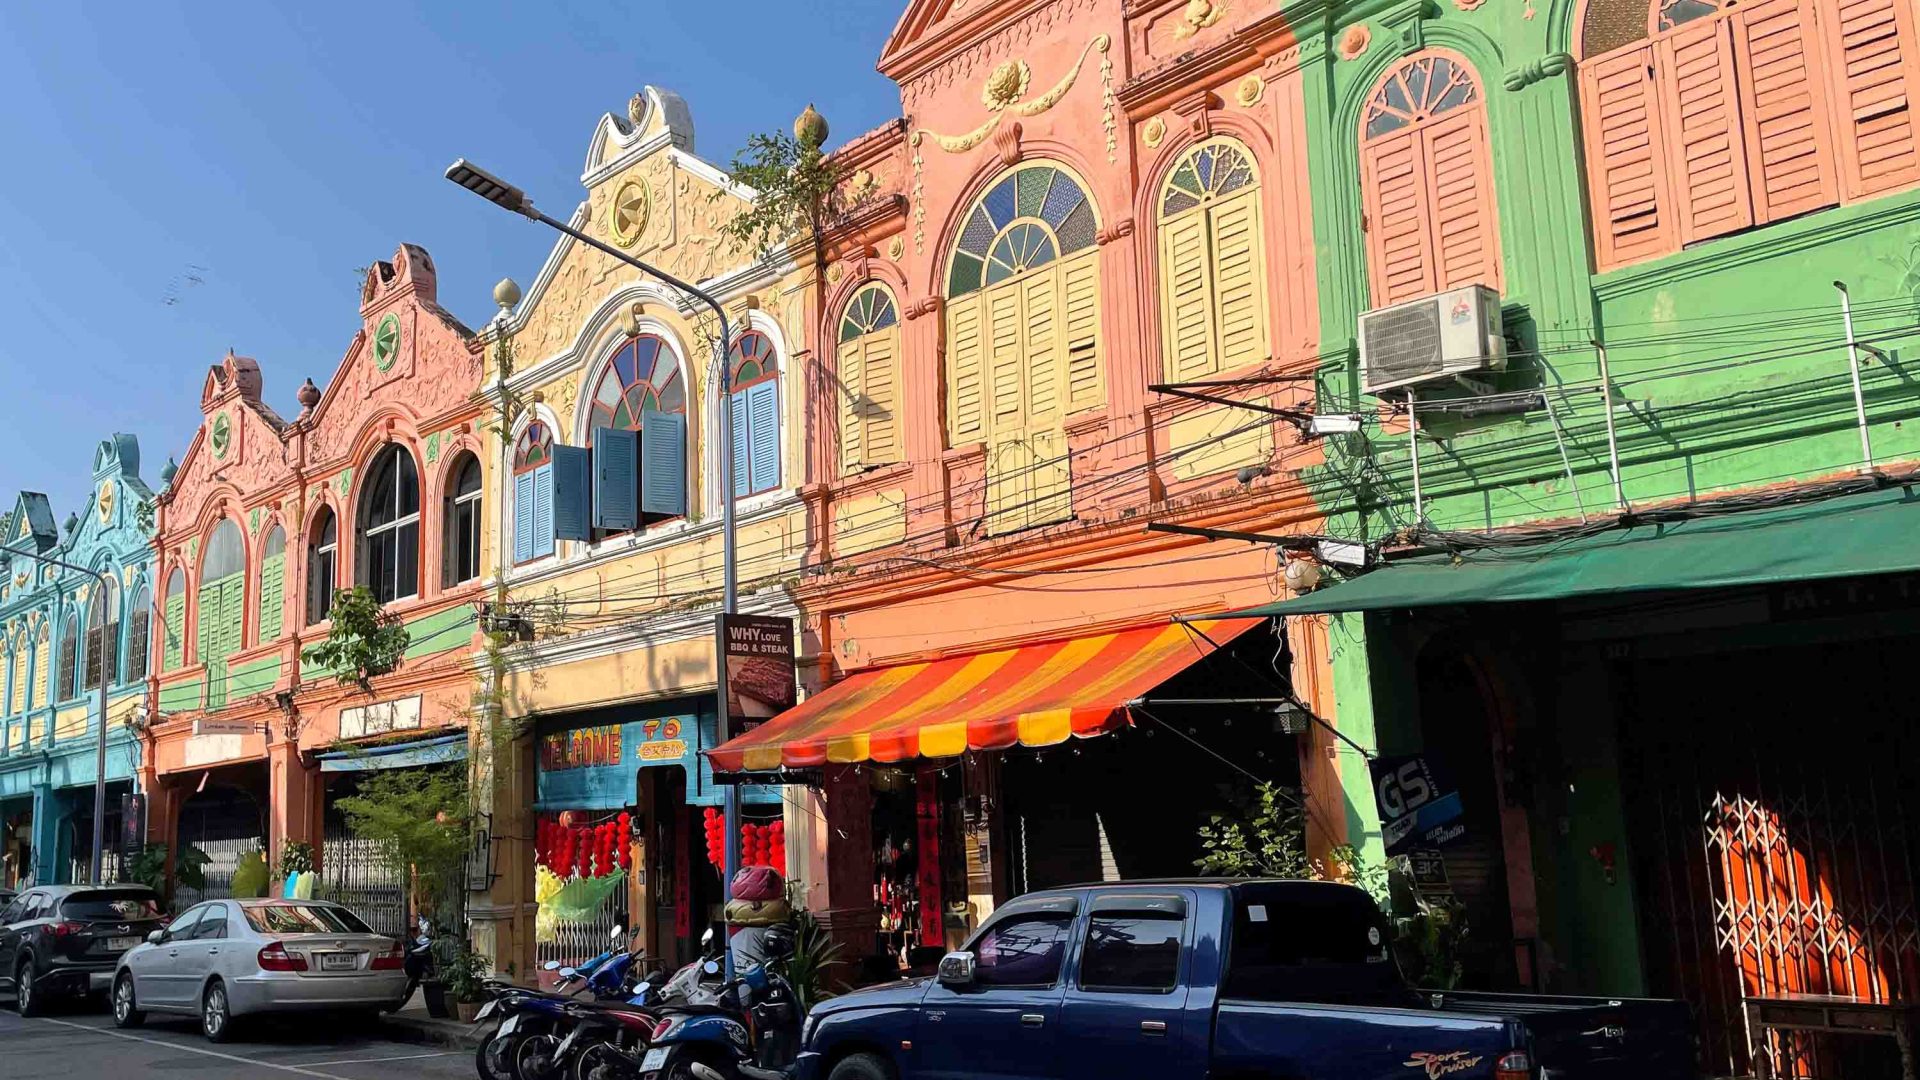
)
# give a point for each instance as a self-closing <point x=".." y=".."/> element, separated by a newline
<point x="100" y="746"/>
<point x="507" y="197"/>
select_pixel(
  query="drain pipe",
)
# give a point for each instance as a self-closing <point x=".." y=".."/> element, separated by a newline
<point x="1853" y="363"/>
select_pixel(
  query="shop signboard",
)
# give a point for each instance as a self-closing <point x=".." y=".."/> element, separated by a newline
<point x="593" y="767"/>
<point x="756" y="671"/>
<point x="1427" y="868"/>
<point x="1417" y="806"/>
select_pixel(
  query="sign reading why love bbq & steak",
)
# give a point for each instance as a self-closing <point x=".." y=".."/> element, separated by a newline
<point x="756" y="671"/>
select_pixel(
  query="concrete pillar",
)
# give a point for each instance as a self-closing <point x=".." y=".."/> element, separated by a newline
<point x="294" y="794"/>
<point x="500" y="919"/>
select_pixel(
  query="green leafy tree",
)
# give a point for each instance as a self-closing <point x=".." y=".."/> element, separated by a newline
<point x="363" y="642"/>
<point x="149" y="868"/>
<point x="796" y="189"/>
<point x="1268" y="840"/>
<point x="417" y="818"/>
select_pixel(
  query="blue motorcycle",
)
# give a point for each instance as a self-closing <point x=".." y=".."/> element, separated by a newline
<point x="752" y="1034"/>
<point x="526" y="1044"/>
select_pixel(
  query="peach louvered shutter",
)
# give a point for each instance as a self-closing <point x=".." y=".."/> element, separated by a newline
<point x="1783" y="104"/>
<point x="1873" y="66"/>
<point x="1705" y="154"/>
<point x="1626" y="157"/>
<point x="1399" y="220"/>
<point x="1457" y="164"/>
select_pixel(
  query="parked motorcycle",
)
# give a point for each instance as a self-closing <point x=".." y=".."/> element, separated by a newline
<point x="752" y="1033"/>
<point x="535" y="1020"/>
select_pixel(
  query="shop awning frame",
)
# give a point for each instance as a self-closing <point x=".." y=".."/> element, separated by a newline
<point x="1028" y="695"/>
<point x="1840" y="536"/>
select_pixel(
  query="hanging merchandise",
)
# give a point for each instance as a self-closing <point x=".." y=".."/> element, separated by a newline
<point x="761" y="843"/>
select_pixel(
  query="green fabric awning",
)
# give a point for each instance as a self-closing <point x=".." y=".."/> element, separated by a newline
<point x="1875" y="532"/>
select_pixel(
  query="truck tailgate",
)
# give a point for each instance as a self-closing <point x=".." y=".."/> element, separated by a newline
<point x="1578" y="1038"/>
<point x="1365" y="1042"/>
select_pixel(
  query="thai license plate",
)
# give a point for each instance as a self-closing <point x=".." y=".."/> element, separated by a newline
<point x="507" y="1026"/>
<point x="338" y="961"/>
<point x="122" y="944"/>
<point x="655" y="1060"/>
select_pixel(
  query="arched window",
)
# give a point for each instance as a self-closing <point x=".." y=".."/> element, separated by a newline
<point x="323" y="551"/>
<point x="222" y="609"/>
<point x="1023" y="309"/>
<point x="273" y="585"/>
<point x="388" y="558"/>
<point x="69" y="652"/>
<point x="639" y="389"/>
<point x="139" y="620"/>
<point x="867" y="364"/>
<point x="103" y="635"/>
<point x="461" y="523"/>
<point x="173" y="648"/>
<point x="1213" y="281"/>
<point x="1427" y="182"/>
<point x="533" y="493"/>
<point x="1705" y="117"/>
<point x="755" y="401"/>
<point x="17" y="687"/>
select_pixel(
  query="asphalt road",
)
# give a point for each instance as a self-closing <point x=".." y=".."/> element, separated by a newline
<point x="76" y="1043"/>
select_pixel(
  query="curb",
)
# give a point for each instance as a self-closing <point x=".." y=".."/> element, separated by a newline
<point x="424" y="1031"/>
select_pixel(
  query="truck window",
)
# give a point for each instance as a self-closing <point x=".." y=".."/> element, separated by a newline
<point x="1309" y="941"/>
<point x="1022" y="951"/>
<point x="1131" y="953"/>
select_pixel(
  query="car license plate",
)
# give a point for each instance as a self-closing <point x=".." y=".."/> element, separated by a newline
<point x="122" y="944"/>
<point x="507" y="1026"/>
<point x="655" y="1060"/>
<point x="338" y="961"/>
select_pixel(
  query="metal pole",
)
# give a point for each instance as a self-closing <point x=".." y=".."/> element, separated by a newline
<point x="1413" y="451"/>
<point x="1613" y="447"/>
<point x="1853" y="364"/>
<point x="729" y="590"/>
<point x="1566" y="464"/>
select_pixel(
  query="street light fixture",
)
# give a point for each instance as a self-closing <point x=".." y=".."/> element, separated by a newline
<point x="100" y="752"/>
<point x="508" y="197"/>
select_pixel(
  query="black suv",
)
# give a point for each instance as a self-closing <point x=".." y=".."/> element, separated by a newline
<point x="66" y="939"/>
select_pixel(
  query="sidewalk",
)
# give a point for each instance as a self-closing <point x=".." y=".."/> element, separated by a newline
<point x="411" y="1024"/>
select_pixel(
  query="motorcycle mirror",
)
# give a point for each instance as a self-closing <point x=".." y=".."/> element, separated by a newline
<point x="706" y="939"/>
<point x="711" y="967"/>
<point x="551" y="965"/>
<point x="642" y="988"/>
<point x="568" y="973"/>
<point x="617" y="931"/>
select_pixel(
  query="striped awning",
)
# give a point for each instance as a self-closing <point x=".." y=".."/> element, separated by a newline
<point x="1033" y="695"/>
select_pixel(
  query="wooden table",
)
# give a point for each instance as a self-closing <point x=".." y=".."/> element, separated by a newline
<point x="1833" y="1014"/>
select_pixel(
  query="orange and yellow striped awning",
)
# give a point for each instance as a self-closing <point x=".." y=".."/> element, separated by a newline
<point x="1033" y="695"/>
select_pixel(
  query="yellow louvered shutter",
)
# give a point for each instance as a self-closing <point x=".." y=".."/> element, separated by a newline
<point x="1080" y="292"/>
<point x="880" y="397"/>
<point x="1005" y="336"/>
<point x="1050" y="489"/>
<point x="41" y="662"/>
<point x="1240" y="281"/>
<point x="1009" y="474"/>
<point x="966" y="377"/>
<point x="851" y="372"/>
<point x="18" y="702"/>
<point x="1040" y="344"/>
<point x="1186" y="298"/>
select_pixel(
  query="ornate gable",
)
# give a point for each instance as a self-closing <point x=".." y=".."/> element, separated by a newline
<point x="31" y="526"/>
<point x="932" y="29"/>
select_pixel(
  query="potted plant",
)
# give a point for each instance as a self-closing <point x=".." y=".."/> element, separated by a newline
<point x="462" y="977"/>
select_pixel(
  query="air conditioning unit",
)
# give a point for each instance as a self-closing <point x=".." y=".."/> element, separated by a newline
<point x="1432" y="339"/>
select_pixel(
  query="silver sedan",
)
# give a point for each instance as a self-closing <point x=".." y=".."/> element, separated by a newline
<point x="229" y="958"/>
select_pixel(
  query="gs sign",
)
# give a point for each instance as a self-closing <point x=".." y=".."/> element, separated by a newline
<point x="1415" y="806"/>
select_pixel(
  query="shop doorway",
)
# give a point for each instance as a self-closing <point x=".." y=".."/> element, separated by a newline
<point x="1777" y="835"/>
<point x="225" y="819"/>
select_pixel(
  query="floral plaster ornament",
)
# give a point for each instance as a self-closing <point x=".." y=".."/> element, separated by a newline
<point x="1153" y="132"/>
<point x="1006" y="85"/>
<point x="1354" y="41"/>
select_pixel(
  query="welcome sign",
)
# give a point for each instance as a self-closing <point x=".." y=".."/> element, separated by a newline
<point x="596" y="767"/>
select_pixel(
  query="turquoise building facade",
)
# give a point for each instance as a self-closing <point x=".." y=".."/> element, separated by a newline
<point x="61" y="633"/>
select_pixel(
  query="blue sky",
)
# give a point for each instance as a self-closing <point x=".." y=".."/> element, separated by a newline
<point x="278" y="146"/>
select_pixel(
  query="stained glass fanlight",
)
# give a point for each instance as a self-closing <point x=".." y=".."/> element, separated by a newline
<point x="1419" y="91"/>
<point x="870" y="309"/>
<point x="642" y="376"/>
<point x="534" y="448"/>
<point x="1210" y="171"/>
<point x="1029" y="218"/>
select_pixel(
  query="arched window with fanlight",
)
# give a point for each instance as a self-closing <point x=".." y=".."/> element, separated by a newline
<point x="1213" y="281"/>
<point x="387" y="560"/>
<point x="1427" y="181"/>
<point x="103" y="634"/>
<point x="867" y="374"/>
<point x="67" y="668"/>
<point x="755" y="400"/>
<point x="1707" y="117"/>
<point x="323" y="560"/>
<point x="220" y="613"/>
<point x="173" y="646"/>
<point x="273" y="585"/>
<point x="642" y="477"/>
<point x="139" y="619"/>
<point x="533" y="492"/>
<point x="1023" y="308"/>
<point x="461" y="560"/>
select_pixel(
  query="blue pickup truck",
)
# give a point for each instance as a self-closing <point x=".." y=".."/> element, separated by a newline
<point x="1218" y="980"/>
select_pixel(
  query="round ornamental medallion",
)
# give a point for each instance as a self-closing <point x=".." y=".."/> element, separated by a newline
<point x="222" y="437"/>
<point x="386" y="342"/>
<point x="105" y="501"/>
<point x="627" y="213"/>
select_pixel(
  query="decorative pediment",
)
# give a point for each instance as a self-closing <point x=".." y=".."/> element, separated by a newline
<point x="117" y="455"/>
<point x="652" y="115"/>
<point x="31" y="526"/>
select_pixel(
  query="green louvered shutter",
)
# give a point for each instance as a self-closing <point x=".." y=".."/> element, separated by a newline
<point x="206" y="627"/>
<point x="173" y="651"/>
<point x="273" y="591"/>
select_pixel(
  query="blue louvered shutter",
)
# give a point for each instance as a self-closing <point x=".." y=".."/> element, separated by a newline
<point x="763" y="426"/>
<point x="523" y="510"/>
<point x="742" y="434"/>
<point x="572" y="497"/>
<point x="543" y="511"/>
<point x="663" y="465"/>
<point x="616" y="481"/>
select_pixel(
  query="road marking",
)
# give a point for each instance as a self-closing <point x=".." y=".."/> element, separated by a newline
<point x="202" y="1051"/>
<point x="370" y="1061"/>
